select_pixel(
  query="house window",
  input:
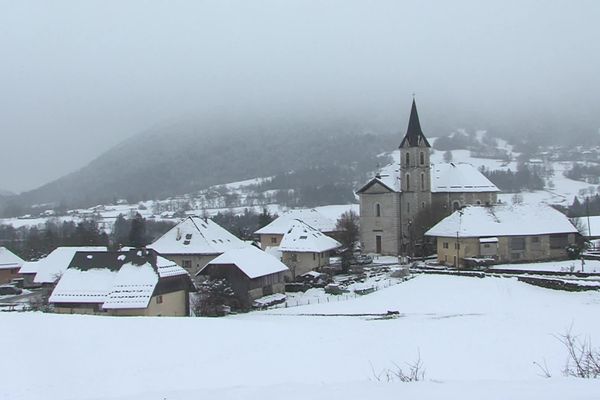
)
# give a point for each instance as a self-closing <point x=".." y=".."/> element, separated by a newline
<point x="407" y="207"/>
<point x="535" y="239"/>
<point x="407" y="159"/>
<point x="378" y="210"/>
<point x="423" y="204"/>
<point x="422" y="181"/>
<point x="314" y="256"/>
<point x="456" y="205"/>
<point x="407" y="182"/>
<point x="559" y="241"/>
<point x="422" y="158"/>
<point x="456" y="246"/>
<point x="159" y="299"/>
<point x="445" y="245"/>
<point x="187" y="264"/>
<point x="517" y="243"/>
<point x="294" y="257"/>
<point x="273" y="240"/>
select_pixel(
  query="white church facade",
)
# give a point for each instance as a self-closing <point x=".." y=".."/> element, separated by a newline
<point x="411" y="190"/>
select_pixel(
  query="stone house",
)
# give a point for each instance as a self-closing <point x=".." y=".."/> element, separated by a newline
<point x="10" y="264"/>
<point x="304" y="248"/>
<point x="391" y="202"/>
<point x="504" y="234"/>
<point x="250" y="272"/>
<point x="272" y="234"/>
<point x="194" y="242"/>
<point x="137" y="282"/>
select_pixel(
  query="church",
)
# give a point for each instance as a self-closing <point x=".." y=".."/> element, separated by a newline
<point x="403" y="195"/>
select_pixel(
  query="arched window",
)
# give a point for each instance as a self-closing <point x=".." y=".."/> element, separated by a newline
<point x="422" y="180"/>
<point x="422" y="158"/>
<point x="377" y="210"/>
<point x="456" y="205"/>
<point x="407" y="159"/>
<point x="407" y="182"/>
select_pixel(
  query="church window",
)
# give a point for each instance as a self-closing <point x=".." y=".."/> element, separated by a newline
<point x="407" y="159"/>
<point x="422" y="158"/>
<point x="407" y="182"/>
<point x="378" y="210"/>
<point x="422" y="181"/>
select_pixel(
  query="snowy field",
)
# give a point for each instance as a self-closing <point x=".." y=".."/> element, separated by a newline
<point x="555" y="266"/>
<point x="477" y="338"/>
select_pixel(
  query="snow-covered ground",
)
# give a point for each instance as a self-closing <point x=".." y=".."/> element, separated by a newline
<point x="555" y="266"/>
<point x="477" y="338"/>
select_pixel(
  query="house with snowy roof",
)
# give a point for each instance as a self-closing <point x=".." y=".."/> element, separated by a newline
<point x="10" y="264"/>
<point x="49" y="269"/>
<point x="392" y="201"/>
<point x="250" y="272"/>
<point x="304" y="248"/>
<point x="194" y="242"/>
<point x="503" y="233"/>
<point x="272" y="234"/>
<point x="137" y="282"/>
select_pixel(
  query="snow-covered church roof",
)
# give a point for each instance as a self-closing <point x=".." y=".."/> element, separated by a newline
<point x="195" y="235"/>
<point x="445" y="178"/>
<point x="503" y="220"/>
<point x="9" y="260"/>
<point x="309" y="216"/>
<point x="301" y="237"/>
<point x="117" y="279"/>
<point x="250" y="260"/>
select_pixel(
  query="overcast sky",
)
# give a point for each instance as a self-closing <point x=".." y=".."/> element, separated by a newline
<point x="78" y="77"/>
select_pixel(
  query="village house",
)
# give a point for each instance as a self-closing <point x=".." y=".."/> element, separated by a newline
<point x="137" y="282"/>
<point x="250" y="272"/>
<point x="272" y="234"/>
<point x="10" y="264"/>
<point x="49" y="269"/>
<point x="194" y="242"/>
<point x="392" y="201"/>
<point x="503" y="233"/>
<point x="304" y="248"/>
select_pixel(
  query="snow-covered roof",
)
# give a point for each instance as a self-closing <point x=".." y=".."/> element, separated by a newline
<point x="29" y="267"/>
<point x="51" y="267"/>
<point x="459" y="177"/>
<point x="251" y="261"/>
<point x="9" y="260"/>
<point x="445" y="178"/>
<point x="503" y="220"/>
<point x="114" y="279"/>
<point x="302" y="238"/>
<point x="309" y="216"/>
<point x="195" y="235"/>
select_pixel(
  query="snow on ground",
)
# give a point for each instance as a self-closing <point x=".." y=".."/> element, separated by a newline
<point x="477" y="338"/>
<point x="555" y="266"/>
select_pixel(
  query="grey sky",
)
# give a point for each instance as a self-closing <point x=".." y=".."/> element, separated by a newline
<point x="77" y="77"/>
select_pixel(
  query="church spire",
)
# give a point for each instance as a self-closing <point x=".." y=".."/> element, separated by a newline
<point x="414" y="135"/>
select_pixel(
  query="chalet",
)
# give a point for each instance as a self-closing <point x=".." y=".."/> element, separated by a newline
<point x="194" y="242"/>
<point x="251" y="273"/>
<point x="503" y="233"/>
<point x="272" y="234"/>
<point x="304" y="248"/>
<point x="10" y="264"/>
<point x="391" y="202"/>
<point x="131" y="283"/>
<point x="48" y="270"/>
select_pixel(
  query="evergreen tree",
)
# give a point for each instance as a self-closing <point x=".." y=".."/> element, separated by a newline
<point x="137" y="233"/>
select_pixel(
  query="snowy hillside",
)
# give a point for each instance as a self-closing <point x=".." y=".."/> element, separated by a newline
<point x="477" y="338"/>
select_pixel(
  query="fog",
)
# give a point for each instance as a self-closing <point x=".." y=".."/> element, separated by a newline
<point x="76" y="78"/>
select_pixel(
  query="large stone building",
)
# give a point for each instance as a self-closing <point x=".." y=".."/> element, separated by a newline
<point x="392" y="200"/>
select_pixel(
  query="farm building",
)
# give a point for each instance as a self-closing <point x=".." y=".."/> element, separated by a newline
<point x="137" y="282"/>
<point x="304" y="248"/>
<point x="272" y="234"/>
<point x="503" y="233"/>
<point x="10" y="264"/>
<point x="194" y="242"/>
<point x="251" y="273"/>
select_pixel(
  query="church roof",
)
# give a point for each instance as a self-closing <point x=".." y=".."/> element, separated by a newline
<point x="445" y="178"/>
<point x="414" y="135"/>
